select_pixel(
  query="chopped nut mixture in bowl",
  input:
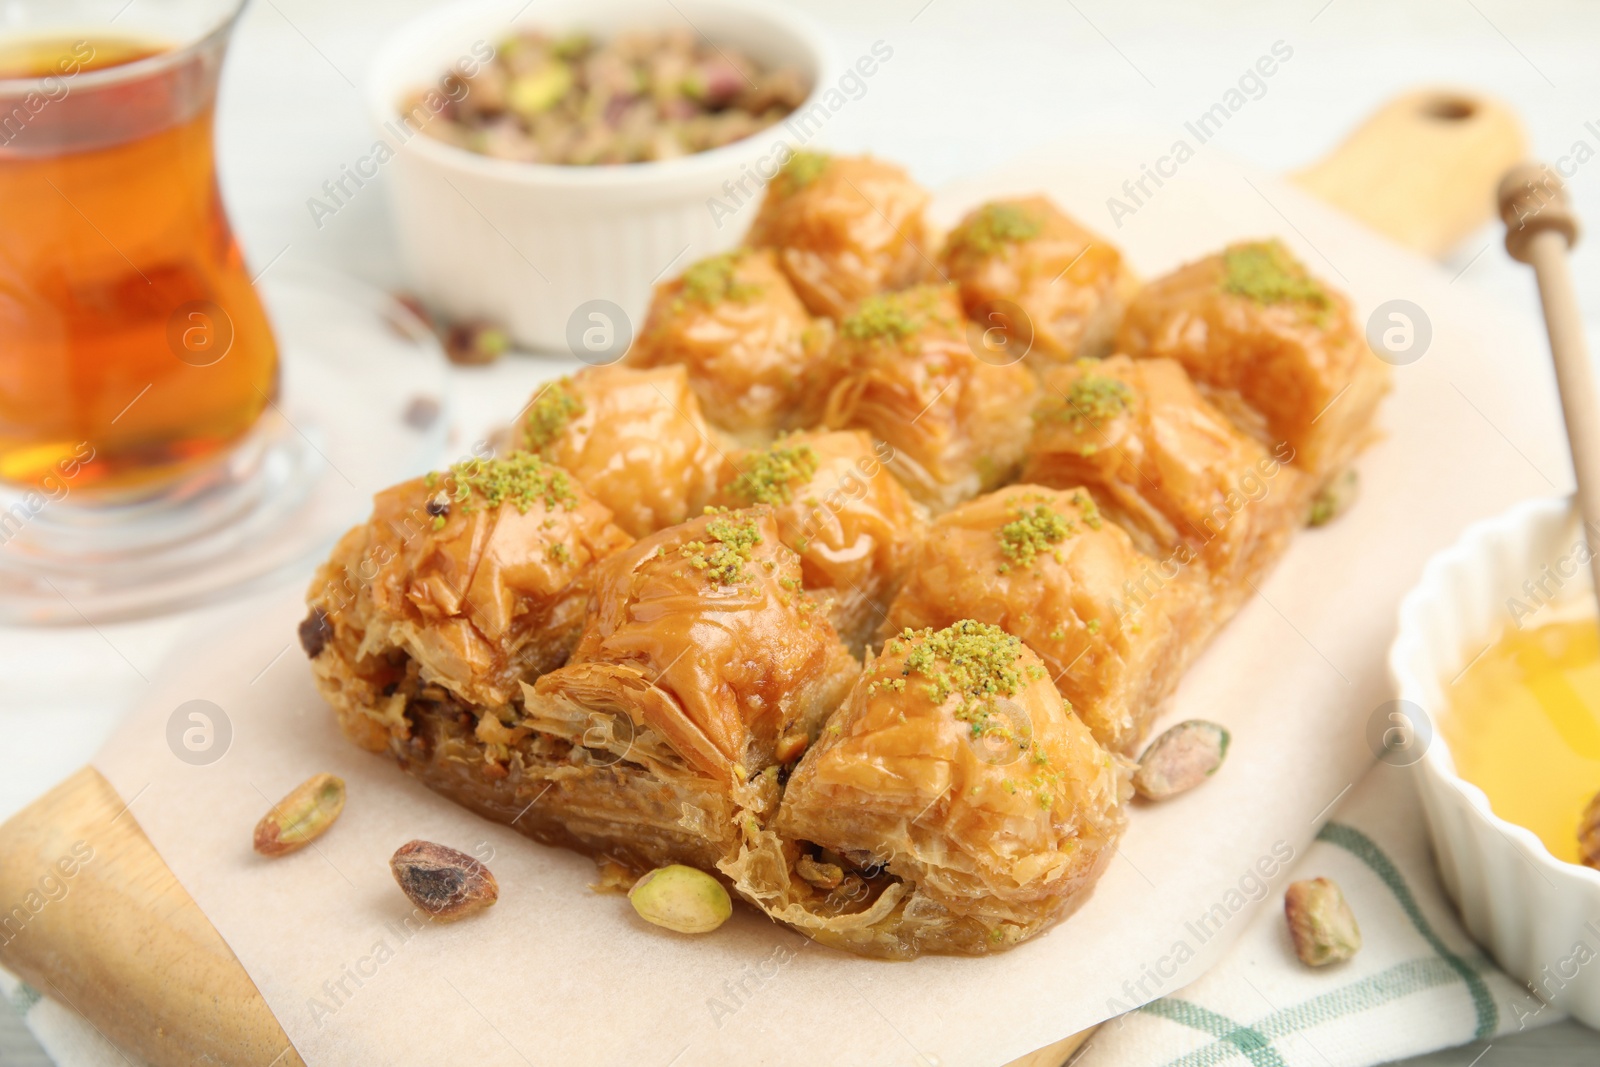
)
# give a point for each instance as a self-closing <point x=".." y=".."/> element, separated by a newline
<point x="573" y="151"/>
<point x="638" y="97"/>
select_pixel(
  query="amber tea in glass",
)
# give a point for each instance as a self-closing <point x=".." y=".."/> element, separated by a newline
<point x="133" y="348"/>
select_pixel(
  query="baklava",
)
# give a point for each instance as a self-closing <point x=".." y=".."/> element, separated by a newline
<point x="1168" y="466"/>
<point x="1110" y="624"/>
<point x="1277" y="350"/>
<point x="837" y="505"/>
<point x="461" y="585"/>
<point x="695" y="696"/>
<point x="635" y="438"/>
<point x="702" y="667"/>
<point x="1070" y="285"/>
<point x="747" y="343"/>
<point x="698" y="667"/>
<point x="906" y="369"/>
<point x="953" y="803"/>
<point x="844" y="228"/>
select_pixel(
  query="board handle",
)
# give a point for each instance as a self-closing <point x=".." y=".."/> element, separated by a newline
<point x="101" y="924"/>
<point x="1424" y="169"/>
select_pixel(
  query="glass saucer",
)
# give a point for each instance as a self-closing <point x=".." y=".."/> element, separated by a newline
<point x="361" y="407"/>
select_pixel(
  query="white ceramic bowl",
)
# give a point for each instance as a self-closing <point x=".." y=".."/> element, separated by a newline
<point x="526" y="245"/>
<point x="1529" y="909"/>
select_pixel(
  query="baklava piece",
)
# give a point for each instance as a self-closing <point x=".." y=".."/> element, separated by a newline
<point x="907" y="372"/>
<point x="953" y="804"/>
<point x="844" y="228"/>
<point x="1167" y="465"/>
<point x="702" y="669"/>
<point x="748" y="344"/>
<point x="1111" y="626"/>
<point x="636" y="439"/>
<point x="852" y="523"/>
<point x="460" y="586"/>
<point x="1274" y="348"/>
<point x="1071" y="285"/>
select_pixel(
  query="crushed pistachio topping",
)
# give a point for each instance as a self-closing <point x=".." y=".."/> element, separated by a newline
<point x="972" y="661"/>
<point x="1031" y="533"/>
<point x="723" y="560"/>
<point x="550" y="412"/>
<point x="1087" y="510"/>
<point x="559" y="552"/>
<point x="995" y="225"/>
<point x="1093" y="400"/>
<point x="1045" y="784"/>
<point x="799" y="171"/>
<point x="1265" y="272"/>
<point x="521" y="479"/>
<point x="884" y="317"/>
<point x="769" y="476"/>
<point x="713" y="280"/>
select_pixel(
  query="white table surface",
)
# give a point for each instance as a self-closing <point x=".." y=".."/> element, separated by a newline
<point x="971" y="83"/>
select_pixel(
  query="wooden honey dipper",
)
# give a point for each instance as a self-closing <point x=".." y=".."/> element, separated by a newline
<point x="1540" y="228"/>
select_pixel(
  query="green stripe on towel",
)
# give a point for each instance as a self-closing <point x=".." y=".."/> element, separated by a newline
<point x="1398" y="981"/>
<point x="24" y="997"/>
<point x="1234" y="1037"/>
<point x="1254" y="1042"/>
<point x="1362" y="847"/>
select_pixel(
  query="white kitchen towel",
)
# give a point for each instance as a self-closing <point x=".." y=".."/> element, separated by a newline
<point x="67" y="1038"/>
<point x="1418" y="983"/>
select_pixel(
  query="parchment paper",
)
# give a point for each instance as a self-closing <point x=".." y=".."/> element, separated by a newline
<point x="557" y="974"/>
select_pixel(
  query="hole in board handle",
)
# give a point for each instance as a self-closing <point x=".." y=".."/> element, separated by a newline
<point x="1450" y="108"/>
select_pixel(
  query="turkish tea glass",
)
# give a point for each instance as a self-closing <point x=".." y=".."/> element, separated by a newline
<point x="136" y="360"/>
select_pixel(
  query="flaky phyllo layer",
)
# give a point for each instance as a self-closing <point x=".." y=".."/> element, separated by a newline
<point x="857" y="583"/>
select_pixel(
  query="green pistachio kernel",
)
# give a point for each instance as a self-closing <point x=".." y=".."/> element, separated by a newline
<point x="682" y="899"/>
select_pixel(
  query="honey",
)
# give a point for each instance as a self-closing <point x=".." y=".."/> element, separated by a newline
<point x="1524" y="726"/>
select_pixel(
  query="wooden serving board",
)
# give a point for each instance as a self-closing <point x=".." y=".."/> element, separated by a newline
<point x="129" y="949"/>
